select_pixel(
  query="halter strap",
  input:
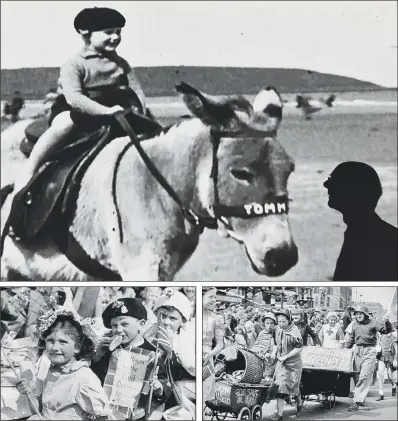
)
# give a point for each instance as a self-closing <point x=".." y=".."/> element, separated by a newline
<point x="188" y="214"/>
<point x="221" y="212"/>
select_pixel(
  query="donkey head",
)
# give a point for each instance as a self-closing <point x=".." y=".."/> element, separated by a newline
<point x="253" y="170"/>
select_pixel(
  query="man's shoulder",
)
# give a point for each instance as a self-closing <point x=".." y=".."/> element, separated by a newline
<point x="386" y="228"/>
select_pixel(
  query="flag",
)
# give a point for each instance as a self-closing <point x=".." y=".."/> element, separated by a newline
<point x="162" y="338"/>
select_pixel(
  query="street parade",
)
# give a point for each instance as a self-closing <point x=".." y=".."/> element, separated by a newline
<point x="98" y="353"/>
<point x="275" y="353"/>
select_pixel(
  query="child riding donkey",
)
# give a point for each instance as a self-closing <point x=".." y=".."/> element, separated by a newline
<point x="96" y="84"/>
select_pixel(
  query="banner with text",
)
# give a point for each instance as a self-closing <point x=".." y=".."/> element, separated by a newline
<point x="329" y="359"/>
<point x="126" y="375"/>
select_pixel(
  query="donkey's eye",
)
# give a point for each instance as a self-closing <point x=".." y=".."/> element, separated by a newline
<point x="242" y="175"/>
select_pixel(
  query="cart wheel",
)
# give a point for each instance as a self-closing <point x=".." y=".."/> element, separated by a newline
<point x="257" y="413"/>
<point x="245" y="414"/>
<point x="221" y="417"/>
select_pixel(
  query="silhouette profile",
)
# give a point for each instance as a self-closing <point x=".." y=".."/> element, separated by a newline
<point x="369" y="251"/>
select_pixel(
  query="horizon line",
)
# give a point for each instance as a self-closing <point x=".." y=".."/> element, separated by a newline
<point x="222" y="66"/>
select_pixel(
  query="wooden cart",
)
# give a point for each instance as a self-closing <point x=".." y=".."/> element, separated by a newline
<point x="241" y="401"/>
<point x="326" y="374"/>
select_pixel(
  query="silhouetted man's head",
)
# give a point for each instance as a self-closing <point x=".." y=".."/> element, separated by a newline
<point x="353" y="186"/>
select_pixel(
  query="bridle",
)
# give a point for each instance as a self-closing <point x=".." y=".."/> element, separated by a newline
<point x="219" y="213"/>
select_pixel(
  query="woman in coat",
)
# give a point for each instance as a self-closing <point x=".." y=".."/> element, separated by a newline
<point x="289" y="367"/>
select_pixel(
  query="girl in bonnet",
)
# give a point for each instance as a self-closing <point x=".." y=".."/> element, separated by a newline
<point x="173" y="311"/>
<point x="67" y="389"/>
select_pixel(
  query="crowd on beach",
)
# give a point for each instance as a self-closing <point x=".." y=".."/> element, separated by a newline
<point x="278" y="335"/>
<point x="78" y="337"/>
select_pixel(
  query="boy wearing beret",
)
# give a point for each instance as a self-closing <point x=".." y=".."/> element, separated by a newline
<point x="96" y="84"/>
<point x="126" y="318"/>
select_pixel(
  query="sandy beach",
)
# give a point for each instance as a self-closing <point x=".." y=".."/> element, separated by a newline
<point x="365" y="130"/>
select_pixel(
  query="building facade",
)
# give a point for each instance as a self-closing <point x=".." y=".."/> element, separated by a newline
<point x="325" y="298"/>
<point x="333" y="298"/>
<point x="375" y="308"/>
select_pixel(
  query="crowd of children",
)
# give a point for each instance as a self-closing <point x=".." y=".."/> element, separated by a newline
<point x="278" y="336"/>
<point x="78" y="357"/>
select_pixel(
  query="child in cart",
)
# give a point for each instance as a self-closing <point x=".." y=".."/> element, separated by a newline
<point x="264" y="347"/>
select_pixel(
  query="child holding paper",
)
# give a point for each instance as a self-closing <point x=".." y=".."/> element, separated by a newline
<point x="69" y="390"/>
<point x="126" y="318"/>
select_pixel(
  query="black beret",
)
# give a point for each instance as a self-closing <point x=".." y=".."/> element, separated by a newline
<point x="130" y="307"/>
<point x="98" y="19"/>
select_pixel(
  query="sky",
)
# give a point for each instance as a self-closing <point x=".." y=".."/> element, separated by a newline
<point x="382" y="295"/>
<point x="356" y="39"/>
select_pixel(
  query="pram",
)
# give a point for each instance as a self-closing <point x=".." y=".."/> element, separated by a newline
<point x="241" y="397"/>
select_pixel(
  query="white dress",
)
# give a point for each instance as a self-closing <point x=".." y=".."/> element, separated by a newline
<point x="332" y="336"/>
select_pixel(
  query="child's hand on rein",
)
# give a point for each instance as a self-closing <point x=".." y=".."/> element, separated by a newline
<point x="114" y="110"/>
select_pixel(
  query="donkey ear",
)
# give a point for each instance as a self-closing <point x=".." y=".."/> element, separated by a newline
<point x="209" y="109"/>
<point x="193" y="99"/>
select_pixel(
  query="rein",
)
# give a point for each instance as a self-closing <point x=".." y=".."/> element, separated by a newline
<point x="220" y="212"/>
<point x="187" y="213"/>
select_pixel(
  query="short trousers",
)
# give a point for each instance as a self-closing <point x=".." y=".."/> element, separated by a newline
<point x="83" y="121"/>
<point x="88" y="123"/>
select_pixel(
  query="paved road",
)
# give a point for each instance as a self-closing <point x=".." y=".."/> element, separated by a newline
<point x="317" y="147"/>
<point x="383" y="410"/>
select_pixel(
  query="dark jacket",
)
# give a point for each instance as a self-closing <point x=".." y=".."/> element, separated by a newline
<point x="306" y="331"/>
<point x="233" y="323"/>
<point x="369" y="252"/>
<point x="17" y="104"/>
<point x="347" y="319"/>
<point x="176" y="372"/>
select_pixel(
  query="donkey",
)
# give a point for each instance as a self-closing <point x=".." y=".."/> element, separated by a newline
<point x="224" y="164"/>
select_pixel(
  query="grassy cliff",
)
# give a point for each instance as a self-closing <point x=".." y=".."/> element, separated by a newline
<point x="160" y="81"/>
